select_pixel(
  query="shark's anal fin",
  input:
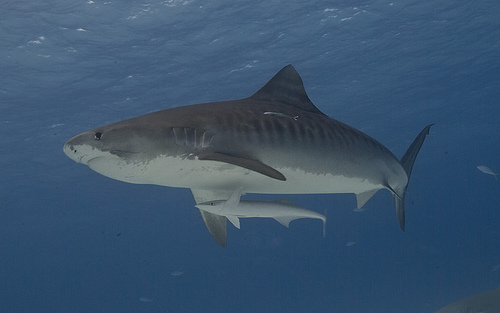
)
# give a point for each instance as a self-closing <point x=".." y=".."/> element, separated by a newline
<point x="250" y="164"/>
<point x="285" y="220"/>
<point x="362" y="198"/>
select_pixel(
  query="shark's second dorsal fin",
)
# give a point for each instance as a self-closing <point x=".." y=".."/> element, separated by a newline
<point x="286" y="87"/>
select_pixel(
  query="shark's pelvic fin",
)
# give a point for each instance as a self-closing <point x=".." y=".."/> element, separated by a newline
<point x="231" y="202"/>
<point x="407" y="162"/>
<point x="250" y="164"/>
<point x="234" y="198"/>
<point x="234" y="220"/>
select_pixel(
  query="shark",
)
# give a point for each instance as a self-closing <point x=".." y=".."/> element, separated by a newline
<point x="486" y="302"/>
<point x="282" y="211"/>
<point x="275" y="141"/>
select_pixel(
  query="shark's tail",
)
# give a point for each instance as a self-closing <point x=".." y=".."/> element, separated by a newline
<point x="407" y="162"/>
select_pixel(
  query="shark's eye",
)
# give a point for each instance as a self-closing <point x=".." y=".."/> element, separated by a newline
<point x="97" y="136"/>
<point x="212" y="203"/>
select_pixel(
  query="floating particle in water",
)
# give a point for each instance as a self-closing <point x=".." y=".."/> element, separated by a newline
<point x="177" y="273"/>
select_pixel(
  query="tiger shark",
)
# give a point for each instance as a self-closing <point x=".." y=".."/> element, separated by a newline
<point x="275" y="141"/>
<point x="486" y="302"/>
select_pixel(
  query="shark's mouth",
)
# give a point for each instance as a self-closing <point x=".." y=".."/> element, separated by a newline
<point x="122" y="153"/>
<point x="94" y="160"/>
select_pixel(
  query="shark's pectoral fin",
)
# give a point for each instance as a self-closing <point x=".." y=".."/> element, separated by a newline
<point x="234" y="220"/>
<point x="217" y="226"/>
<point x="250" y="164"/>
<point x="362" y="198"/>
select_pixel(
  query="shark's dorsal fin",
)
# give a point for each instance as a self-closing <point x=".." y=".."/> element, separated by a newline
<point x="286" y="87"/>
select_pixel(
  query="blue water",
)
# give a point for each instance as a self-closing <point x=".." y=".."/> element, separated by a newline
<point x="72" y="240"/>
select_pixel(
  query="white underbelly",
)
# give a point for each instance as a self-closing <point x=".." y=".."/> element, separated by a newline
<point x="212" y="175"/>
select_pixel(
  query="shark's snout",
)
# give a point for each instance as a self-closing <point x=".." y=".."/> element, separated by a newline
<point x="81" y="148"/>
<point x="70" y="151"/>
<point x="76" y="153"/>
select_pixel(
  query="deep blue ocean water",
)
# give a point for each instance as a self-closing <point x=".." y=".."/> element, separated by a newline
<point x="72" y="240"/>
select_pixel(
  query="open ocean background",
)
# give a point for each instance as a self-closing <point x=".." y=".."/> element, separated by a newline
<point x="73" y="241"/>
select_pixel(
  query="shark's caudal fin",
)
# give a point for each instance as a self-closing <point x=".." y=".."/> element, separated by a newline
<point x="407" y="162"/>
